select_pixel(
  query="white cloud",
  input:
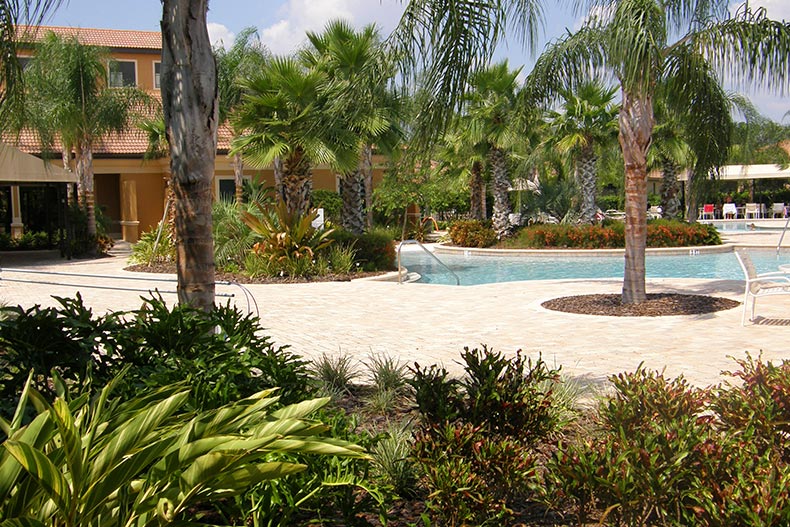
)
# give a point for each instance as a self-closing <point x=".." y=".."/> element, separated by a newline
<point x="603" y="13"/>
<point x="219" y="35"/>
<point x="299" y="16"/>
<point x="776" y="9"/>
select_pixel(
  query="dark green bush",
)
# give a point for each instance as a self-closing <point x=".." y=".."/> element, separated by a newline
<point x="611" y="235"/>
<point x="67" y="340"/>
<point x="221" y="354"/>
<point x="375" y="250"/>
<point x="472" y="477"/>
<point x="472" y="233"/>
<point x="331" y="202"/>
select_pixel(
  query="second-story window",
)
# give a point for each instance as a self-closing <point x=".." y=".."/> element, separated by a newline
<point x="157" y="70"/>
<point x="123" y="73"/>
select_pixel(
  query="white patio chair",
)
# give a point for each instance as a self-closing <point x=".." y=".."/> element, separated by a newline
<point x="729" y="211"/>
<point x="752" y="210"/>
<point x="778" y="208"/>
<point x="757" y="285"/>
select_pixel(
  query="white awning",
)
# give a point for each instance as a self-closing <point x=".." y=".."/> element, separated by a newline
<point x="19" y="167"/>
<point x="739" y="172"/>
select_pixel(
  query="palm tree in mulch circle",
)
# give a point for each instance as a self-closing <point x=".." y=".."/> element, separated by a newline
<point x="633" y="41"/>
<point x="493" y="119"/>
<point x="356" y="66"/>
<point x="288" y="121"/>
<point x="587" y="122"/>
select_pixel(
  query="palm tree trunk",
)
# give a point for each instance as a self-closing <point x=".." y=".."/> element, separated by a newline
<point x="670" y="205"/>
<point x="279" y="191"/>
<point x="238" y="177"/>
<point x="477" y="192"/>
<point x="65" y="155"/>
<point x="85" y="175"/>
<point x="501" y="188"/>
<point x="691" y="198"/>
<point x="189" y="101"/>
<point x="588" y="183"/>
<point x="352" y="193"/>
<point x="297" y="182"/>
<point x="636" y="127"/>
<point x="366" y="168"/>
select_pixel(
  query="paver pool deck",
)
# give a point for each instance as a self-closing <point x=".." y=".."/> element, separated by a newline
<point x="433" y="323"/>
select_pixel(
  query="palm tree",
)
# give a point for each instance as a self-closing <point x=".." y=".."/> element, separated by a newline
<point x="243" y="59"/>
<point x="464" y="159"/>
<point x="355" y="65"/>
<point x="588" y="121"/>
<point x="14" y="13"/>
<point x="73" y="102"/>
<point x="189" y="101"/>
<point x="288" y="120"/>
<point x="633" y="43"/>
<point x="492" y="117"/>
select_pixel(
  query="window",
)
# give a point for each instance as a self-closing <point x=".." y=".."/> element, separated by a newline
<point x="123" y="73"/>
<point x="226" y="187"/>
<point x="157" y="70"/>
<point x="24" y="61"/>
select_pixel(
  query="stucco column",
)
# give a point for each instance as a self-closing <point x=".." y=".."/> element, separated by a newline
<point x="130" y="224"/>
<point x="17" y="227"/>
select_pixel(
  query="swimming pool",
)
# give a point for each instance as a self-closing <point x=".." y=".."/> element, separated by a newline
<point x="476" y="269"/>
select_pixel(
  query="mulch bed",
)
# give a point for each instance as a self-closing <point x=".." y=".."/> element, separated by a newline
<point x="657" y="305"/>
<point x="242" y="279"/>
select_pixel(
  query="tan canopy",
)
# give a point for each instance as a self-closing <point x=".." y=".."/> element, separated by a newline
<point x="19" y="167"/>
<point x="736" y="172"/>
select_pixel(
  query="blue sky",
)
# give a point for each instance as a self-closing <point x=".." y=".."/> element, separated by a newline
<point x="282" y="24"/>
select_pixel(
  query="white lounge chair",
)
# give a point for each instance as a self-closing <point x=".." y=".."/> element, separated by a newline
<point x="763" y="284"/>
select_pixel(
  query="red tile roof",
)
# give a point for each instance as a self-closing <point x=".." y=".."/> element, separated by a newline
<point x="110" y="38"/>
<point x="132" y="142"/>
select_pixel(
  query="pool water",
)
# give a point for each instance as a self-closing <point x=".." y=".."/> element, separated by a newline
<point x="474" y="270"/>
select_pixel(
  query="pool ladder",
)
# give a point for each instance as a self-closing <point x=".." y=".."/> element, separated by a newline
<point x="416" y="242"/>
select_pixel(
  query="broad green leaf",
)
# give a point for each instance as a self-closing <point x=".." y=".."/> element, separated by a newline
<point x="22" y="522"/>
<point x="324" y="446"/>
<point x="121" y="476"/>
<point x="244" y="477"/>
<point x="208" y="467"/>
<point x="301" y="409"/>
<point x="128" y="436"/>
<point x="37" y="434"/>
<point x="70" y="440"/>
<point x="43" y="471"/>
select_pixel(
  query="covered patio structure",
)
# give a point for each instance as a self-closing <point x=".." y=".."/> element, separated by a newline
<point x="28" y="182"/>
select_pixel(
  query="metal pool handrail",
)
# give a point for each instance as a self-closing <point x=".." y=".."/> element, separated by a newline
<point x="416" y="242"/>
<point x="782" y="237"/>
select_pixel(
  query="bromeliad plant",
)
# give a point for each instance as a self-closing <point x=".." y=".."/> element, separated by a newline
<point x="286" y="235"/>
<point x="145" y="461"/>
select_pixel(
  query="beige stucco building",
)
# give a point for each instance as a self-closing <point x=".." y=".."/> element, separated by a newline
<point x="130" y="189"/>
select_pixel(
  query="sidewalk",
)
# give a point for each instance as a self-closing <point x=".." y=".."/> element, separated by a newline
<point x="433" y="323"/>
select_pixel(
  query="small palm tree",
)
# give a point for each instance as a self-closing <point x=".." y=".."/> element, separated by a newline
<point x="243" y="59"/>
<point x="588" y="122"/>
<point x="492" y="117"/>
<point x="72" y="101"/>
<point x="288" y="121"/>
<point x="359" y="73"/>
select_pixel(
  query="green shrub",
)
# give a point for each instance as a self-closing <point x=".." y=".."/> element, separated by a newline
<point x="437" y="394"/>
<point x="472" y="477"/>
<point x="374" y="250"/>
<point x="147" y="250"/>
<point x="611" y="235"/>
<point x="472" y="233"/>
<point x="221" y="354"/>
<point x="67" y="341"/>
<point x="331" y="202"/>
<point x="146" y="460"/>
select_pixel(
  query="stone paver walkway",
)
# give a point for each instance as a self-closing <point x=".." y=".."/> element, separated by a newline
<point x="432" y="324"/>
